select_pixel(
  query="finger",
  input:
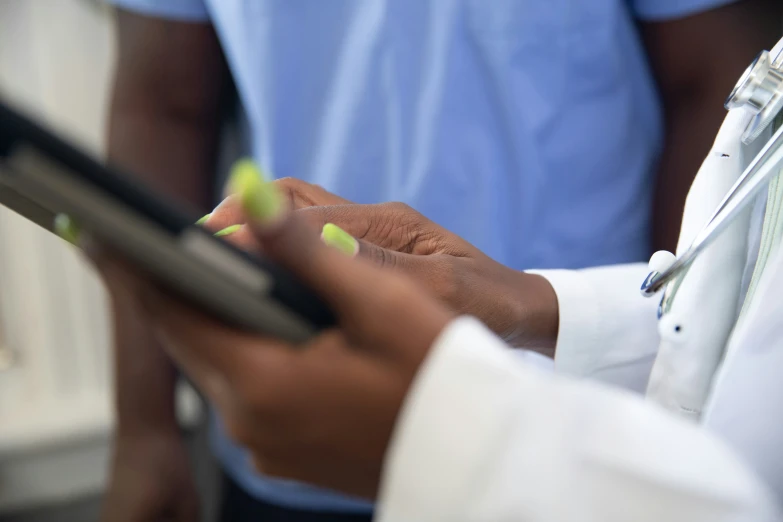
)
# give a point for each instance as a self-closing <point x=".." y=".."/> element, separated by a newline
<point x="227" y="213"/>
<point x="357" y="220"/>
<point x="241" y="237"/>
<point x="338" y="238"/>
<point x="360" y="220"/>
<point x="393" y="226"/>
<point x="212" y="354"/>
<point x="291" y="241"/>
<point x="301" y="194"/>
<point x="371" y="223"/>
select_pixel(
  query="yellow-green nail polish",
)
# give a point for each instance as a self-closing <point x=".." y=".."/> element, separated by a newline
<point x="66" y="229"/>
<point x="338" y="238"/>
<point x="260" y="199"/>
<point x="203" y="220"/>
<point x="228" y="230"/>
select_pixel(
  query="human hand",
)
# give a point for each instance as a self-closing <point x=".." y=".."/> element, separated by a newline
<point x="519" y="307"/>
<point x="323" y="412"/>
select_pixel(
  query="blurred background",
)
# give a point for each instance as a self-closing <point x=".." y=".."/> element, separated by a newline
<point x="56" y="414"/>
<point x="55" y="404"/>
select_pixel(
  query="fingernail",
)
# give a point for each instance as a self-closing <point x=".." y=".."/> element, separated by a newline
<point x="228" y="230"/>
<point x="259" y="198"/>
<point x="204" y="219"/>
<point x="338" y="238"/>
<point x="66" y="229"/>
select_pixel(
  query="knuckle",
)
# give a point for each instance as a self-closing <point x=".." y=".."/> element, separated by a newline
<point x="384" y="258"/>
<point x="288" y="182"/>
<point x="398" y="207"/>
<point x="304" y="194"/>
<point x="293" y="189"/>
<point x="401" y="214"/>
<point x="398" y="226"/>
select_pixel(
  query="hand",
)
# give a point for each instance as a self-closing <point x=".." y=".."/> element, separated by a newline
<point x="323" y="412"/>
<point x="301" y="194"/>
<point x="151" y="480"/>
<point x="521" y="308"/>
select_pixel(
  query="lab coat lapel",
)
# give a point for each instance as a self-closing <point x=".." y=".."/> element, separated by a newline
<point x="695" y="330"/>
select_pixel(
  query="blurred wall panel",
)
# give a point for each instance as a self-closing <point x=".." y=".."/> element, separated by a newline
<point x="56" y="58"/>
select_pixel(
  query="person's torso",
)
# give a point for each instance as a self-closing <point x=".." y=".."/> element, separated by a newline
<point x="528" y="127"/>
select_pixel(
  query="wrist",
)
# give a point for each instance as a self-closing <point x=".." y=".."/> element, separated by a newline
<point x="533" y="313"/>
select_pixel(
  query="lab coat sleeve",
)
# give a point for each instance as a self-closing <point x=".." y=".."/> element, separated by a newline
<point x="608" y="331"/>
<point x="483" y="437"/>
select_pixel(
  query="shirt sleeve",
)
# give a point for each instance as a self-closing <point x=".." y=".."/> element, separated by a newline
<point x="183" y="10"/>
<point x="483" y="437"/>
<point x="608" y="331"/>
<point x="661" y="10"/>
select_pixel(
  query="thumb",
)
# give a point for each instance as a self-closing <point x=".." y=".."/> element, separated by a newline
<point x="288" y="239"/>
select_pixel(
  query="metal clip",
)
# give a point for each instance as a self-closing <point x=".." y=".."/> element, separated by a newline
<point x="760" y="91"/>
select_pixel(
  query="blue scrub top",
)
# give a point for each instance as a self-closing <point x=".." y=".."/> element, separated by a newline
<point x="529" y="127"/>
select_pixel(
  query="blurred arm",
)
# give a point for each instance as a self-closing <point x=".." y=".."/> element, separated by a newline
<point x="696" y="61"/>
<point x="163" y="126"/>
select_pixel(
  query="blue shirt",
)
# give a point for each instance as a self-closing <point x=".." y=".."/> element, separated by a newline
<point x="529" y="127"/>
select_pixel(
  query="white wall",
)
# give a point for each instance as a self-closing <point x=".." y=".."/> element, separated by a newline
<point x="55" y="405"/>
<point x="56" y="58"/>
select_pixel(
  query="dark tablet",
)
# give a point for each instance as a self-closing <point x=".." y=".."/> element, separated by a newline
<point x="42" y="175"/>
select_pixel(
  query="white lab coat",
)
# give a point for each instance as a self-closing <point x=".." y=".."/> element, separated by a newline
<point x="484" y="436"/>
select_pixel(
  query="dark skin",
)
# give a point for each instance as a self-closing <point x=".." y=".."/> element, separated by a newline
<point x="164" y="122"/>
<point x="385" y="328"/>
<point x="164" y="131"/>
<point x="520" y="308"/>
<point x="695" y="72"/>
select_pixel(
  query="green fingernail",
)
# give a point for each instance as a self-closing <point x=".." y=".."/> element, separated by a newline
<point x="66" y="229"/>
<point x="260" y="199"/>
<point x="228" y="230"/>
<point x="204" y="219"/>
<point x="338" y="238"/>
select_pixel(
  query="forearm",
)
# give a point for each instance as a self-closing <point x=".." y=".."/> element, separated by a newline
<point x="171" y="154"/>
<point x="175" y="158"/>
<point x="144" y="377"/>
